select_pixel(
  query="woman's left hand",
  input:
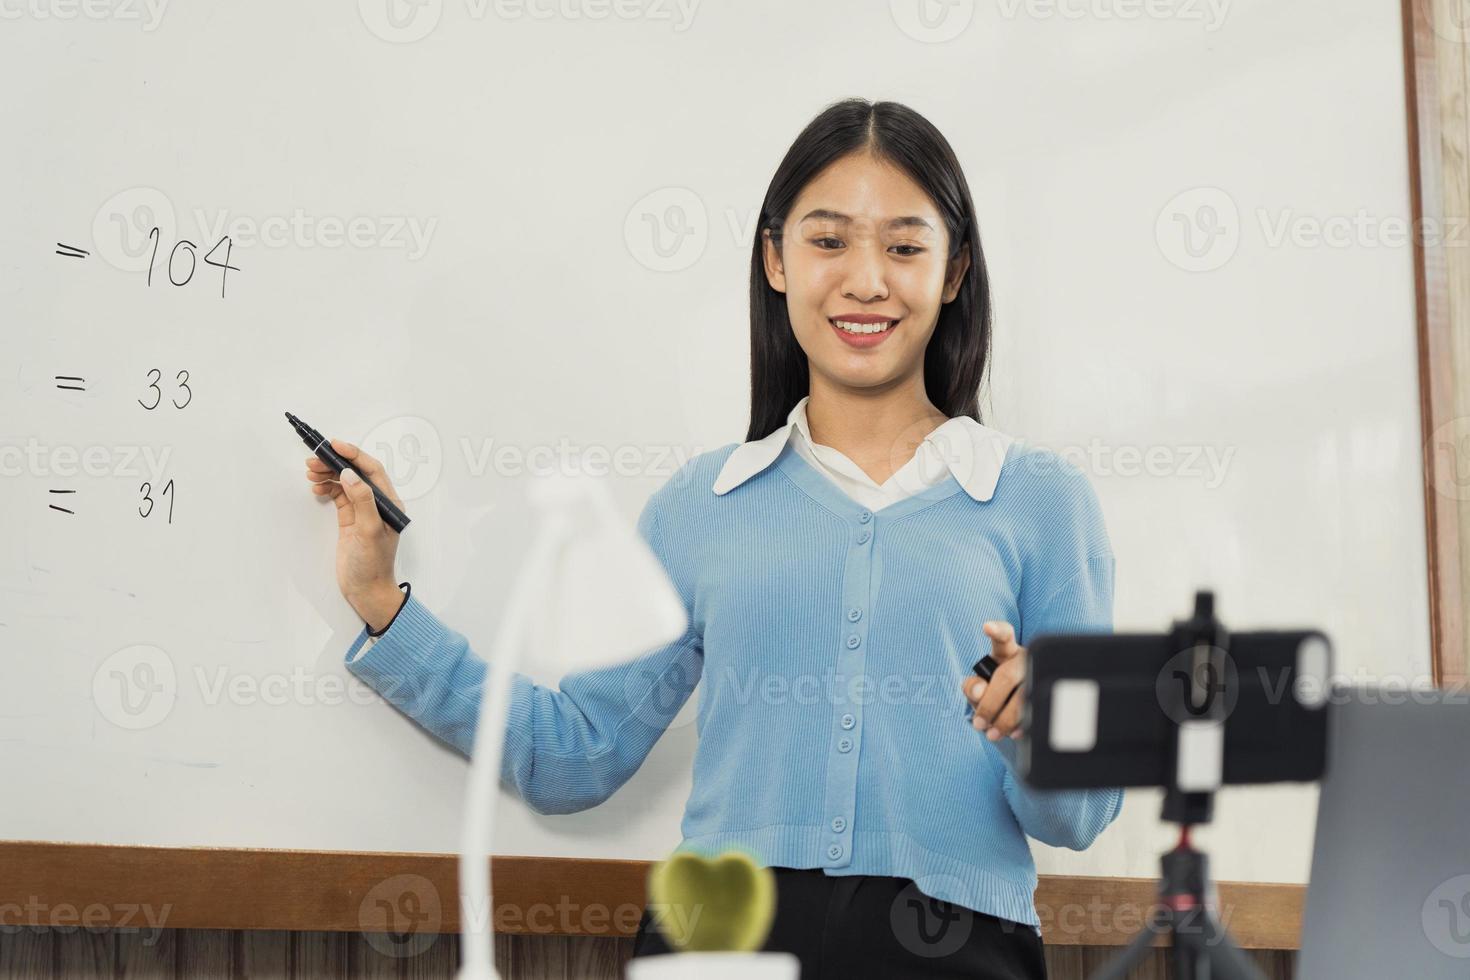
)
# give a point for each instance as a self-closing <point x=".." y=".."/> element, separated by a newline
<point x="994" y="714"/>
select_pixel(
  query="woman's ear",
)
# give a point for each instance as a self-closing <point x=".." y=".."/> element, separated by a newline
<point x="958" y="266"/>
<point x="775" y="269"/>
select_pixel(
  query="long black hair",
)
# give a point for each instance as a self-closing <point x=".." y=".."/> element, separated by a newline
<point x="958" y="351"/>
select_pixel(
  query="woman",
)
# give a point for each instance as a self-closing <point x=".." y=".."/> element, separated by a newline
<point x="841" y="569"/>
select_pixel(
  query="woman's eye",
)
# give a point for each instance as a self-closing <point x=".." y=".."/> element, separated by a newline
<point x="837" y="243"/>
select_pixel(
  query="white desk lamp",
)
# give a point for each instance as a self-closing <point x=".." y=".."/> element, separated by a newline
<point x="591" y="594"/>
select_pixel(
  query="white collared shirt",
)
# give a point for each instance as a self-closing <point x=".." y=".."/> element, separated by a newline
<point x="973" y="452"/>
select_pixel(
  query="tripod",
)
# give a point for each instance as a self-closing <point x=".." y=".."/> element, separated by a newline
<point x="1202" y="950"/>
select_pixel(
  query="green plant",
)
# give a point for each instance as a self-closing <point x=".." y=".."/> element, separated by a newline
<point x="704" y="905"/>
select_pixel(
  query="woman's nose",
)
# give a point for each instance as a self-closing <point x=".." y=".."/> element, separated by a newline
<point x="864" y="278"/>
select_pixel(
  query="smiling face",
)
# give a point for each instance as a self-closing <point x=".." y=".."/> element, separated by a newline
<point x="864" y="243"/>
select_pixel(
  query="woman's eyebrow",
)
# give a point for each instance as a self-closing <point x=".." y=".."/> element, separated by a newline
<point x="907" y="221"/>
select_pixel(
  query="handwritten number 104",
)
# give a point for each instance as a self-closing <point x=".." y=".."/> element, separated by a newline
<point x="176" y="267"/>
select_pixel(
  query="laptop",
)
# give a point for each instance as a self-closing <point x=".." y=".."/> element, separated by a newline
<point x="1389" y="894"/>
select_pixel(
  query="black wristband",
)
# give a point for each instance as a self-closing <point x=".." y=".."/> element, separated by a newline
<point x="406" y="594"/>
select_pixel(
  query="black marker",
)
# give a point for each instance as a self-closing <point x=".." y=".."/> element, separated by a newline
<point x="387" y="509"/>
<point x="985" y="668"/>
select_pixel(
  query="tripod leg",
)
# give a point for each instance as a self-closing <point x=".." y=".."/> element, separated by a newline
<point x="1185" y="956"/>
<point x="1207" y="941"/>
<point x="1133" y="954"/>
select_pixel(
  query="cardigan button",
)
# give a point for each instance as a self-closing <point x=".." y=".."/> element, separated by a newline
<point x="848" y="721"/>
<point x="865" y="516"/>
<point x="835" y="851"/>
<point x="853" y="640"/>
<point x="862" y="537"/>
<point x="854" y="614"/>
<point x="844" y="745"/>
<point x="839" y="824"/>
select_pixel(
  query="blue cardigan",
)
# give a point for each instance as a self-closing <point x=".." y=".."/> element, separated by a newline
<point x="833" y="640"/>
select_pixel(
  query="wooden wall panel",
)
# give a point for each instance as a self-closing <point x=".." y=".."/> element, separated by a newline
<point x="330" y="891"/>
<point x="210" y="954"/>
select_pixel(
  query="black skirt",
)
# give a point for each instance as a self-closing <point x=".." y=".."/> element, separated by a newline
<point x="878" y="926"/>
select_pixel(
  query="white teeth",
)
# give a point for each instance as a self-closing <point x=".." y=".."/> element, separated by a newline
<point x="864" y="327"/>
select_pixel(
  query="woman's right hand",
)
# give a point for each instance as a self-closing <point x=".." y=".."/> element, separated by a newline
<point x="366" y="547"/>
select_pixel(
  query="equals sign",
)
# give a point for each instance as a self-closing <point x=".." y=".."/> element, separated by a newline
<point x="71" y="251"/>
<point x="62" y="509"/>
<point x="70" y="387"/>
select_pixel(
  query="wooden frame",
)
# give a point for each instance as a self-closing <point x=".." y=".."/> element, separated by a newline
<point x="219" y="888"/>
<point x="1437" y="369"/>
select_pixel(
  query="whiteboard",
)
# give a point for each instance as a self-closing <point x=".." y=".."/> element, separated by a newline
<point x="478" y="238"/>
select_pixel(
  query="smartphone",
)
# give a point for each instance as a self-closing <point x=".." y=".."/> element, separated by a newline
<point x="1105" y="710"/>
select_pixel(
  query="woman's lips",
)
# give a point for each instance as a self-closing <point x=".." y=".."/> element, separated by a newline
<point x="863" y="341"/>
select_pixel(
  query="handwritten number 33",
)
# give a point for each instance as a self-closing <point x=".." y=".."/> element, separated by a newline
<point x="182" y="379"/>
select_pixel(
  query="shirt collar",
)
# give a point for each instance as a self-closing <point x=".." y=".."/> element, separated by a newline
<point x="973" y="451"/>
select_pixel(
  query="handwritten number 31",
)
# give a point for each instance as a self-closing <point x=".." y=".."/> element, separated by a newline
<point x="168" y="491"/>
